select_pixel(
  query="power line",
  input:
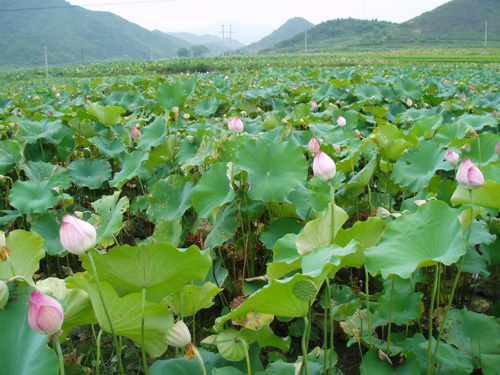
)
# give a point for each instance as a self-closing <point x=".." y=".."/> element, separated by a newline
<point x="88" y="5"/>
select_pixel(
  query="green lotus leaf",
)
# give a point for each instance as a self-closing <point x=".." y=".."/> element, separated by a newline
<point x="425" y="238"/>
<point x="373" y="364"/>
<point x="483" y="149"/>
<point x="48" y="225"/>
<point x="487" y="195"/>
<point x="109" y="148"/>
<point x="193" y="298"/>
<point x="161" y="269"/>
<point x="206" y="107"/>
<point x="108" y="115"/>
<point x="26" y="252"/>
<point x="32" y="131"/>
<point x="426" y="126"/>
<point x="274" y="169"/>
<point x="10" y="154"/>
<point x="170" y="198"/>
<point x="167" y="231"/>
<point x="408" y="88"/>
<point x="392" y="142"/>
<point x="405" y="304"/>
<point x="130" y="168"/>
<point x="33" y="196"/>
<point x="153" y="135"/>
<point x="279" y="227"/>
<point x="170" y="96"/>
<point x="23" y="351"/>
<point x="109" y="218"/>
<point x="231" y="345"/>
<point x="266" y="337"/>
<point x="213" y="190"/>
<point x="415" y="169"/>
<point x="478" y="122"/>
<point x="326" y="92"/>
<point x="369" y="92"/>
<point x="125" y="99"/>
<point x="226" y="224"/>
<point x="90" y="173"/>
<point x="126" y="314"/>
<point x="327" y="260"/>
<point x="39" y="171"/>
<point x="286" y="257"/>
<point x="77" y="308"/>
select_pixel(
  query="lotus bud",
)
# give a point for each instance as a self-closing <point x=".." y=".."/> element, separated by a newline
<point x="495" y="113"/>
<point x="77" y="236"/>
<point x="314" y="104"/>
<point x="135" y="133"/>
<point x="284" y="121"/>
<point x="356" y="133"/>
<point x="243" y="113"/>
<point x="497" y="149"/>
<point x="4" y="294"/>
<point x="341" y="121"/>
<point x="175" y="109"/>
<point x="469" y="176"/>
<point x="409" y="102"/>
<point x="178" y="335"/>
<point x="383" y="213"/>
<point x="324" y="167"/>
<point x="55" y="190"/>
<point x="452" y="157"/>
<point x="313" y="145"/>
<point x="420" y="202"/>
<point x="466" y="148"/>
<point x="462" y="96"/>
<point x="54" y="89"/>
<point x="21" y="88"/>
<point x="45" y="314"/>
<point x="49" y="114"/>
<point x="235" y="124"/>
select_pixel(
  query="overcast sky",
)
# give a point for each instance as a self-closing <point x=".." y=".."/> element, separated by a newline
<point x="251" y="20"/>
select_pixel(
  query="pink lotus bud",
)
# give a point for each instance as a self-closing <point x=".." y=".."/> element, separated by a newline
<point x="45" y="314"/>
<point x="452" y="157"/>
<point x="211" y="82"/>
<point x="469" y="176"/>
<point x="471" y="91"/>
<point x="314" y="104"/>
<point x="70" y="102"/>
<point x="21" y="88"/>
<point x="462" y="96"/>
<point x="63" y="86"/>
<point x="324" y="167"/>
<point x="226" y="77"/>
<point x="313" y="145"/>
<point x="409" y="102"/>
<point x="178" y="335"/>
<point x="235" y="124"/>
<point x="77" y="236"/>
<point x="497" y="149"/>
<point x="341" y="121"/>
<point x="49" y="114"/>
<point x="135" y="133"/>
<point x="54" y="89"/>
<point x="495" y="113"/>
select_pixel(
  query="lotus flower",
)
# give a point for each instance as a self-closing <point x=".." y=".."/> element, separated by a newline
<point x="495" y="113"/>
<point x="324" y="167"/>
<point x="409" y="102"/>
<point x="178" y="335"/>
<point x="45" y="314"/>
<point x="469" y="176"/>
<point x="77" y="236"/>
<point x="235" y="124"/>
<point x="135" y="133"/>
<point x="341" y="121"/>
<point x="314" y="104"/>
<point x="462" y="96"/>
<point x="452" y="157"/>
<point x="497" y="149"/>
<point x="313" y="145"/>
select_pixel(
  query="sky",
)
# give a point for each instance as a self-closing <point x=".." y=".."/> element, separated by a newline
<point x="252" y="20"/>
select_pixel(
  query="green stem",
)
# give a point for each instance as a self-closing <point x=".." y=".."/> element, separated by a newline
<point x="390" y="316"/>
<point x="115" y="341"/>
<point x="98" y="361"/>
<point x="60" y="356"/>
<point x="304" y="348"/>
<point x="200" y="361"/>
<point x="325" y="326"/>
<point x="143" y="322"/>
<point x="247" y="355"/>
<point x="430" y="365"/>
<point x="332" y="193"/>
<point x="368" y="313"/>
<point x="455" y="282"/>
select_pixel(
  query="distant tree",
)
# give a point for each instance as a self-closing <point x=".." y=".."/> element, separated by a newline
<point x="199" y="50"/>
<point x="183" y="52"/>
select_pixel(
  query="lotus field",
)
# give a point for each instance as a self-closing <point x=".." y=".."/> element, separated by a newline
<point x="282" y="220"/>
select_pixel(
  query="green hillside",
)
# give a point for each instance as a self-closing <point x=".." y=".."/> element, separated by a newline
<point x="290" y="28"/>
<point x="456" y="24"/>
<point x="67" y="30"/>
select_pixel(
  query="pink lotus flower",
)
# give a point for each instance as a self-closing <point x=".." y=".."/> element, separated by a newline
<point x="21" y="88"/>
<point x="135" y="133"/>
<point x="54" y="89"/>
<point x="341" y="121"/>
<point x="462" y="96"/>
<point x="495" y="113"/>
<point x="313" y="145"/>
<point x="77" y="236"/>
<point x="469" y="176"/>
<point x="324" y="167"/>
<point x="452" y="157"/>
<point x="497" y="149"/>
<point x="49" y="114"/>
<point x="235" y="124"/>
<point x="63" y="86"/>
<point x="409" y="102"/>
<point x="314" y="104"/>
<point x="45" y="314"/>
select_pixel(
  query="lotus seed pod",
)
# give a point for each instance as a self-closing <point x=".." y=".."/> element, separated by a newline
<point x="305" y="290"/>
<point x="178" y="335"/>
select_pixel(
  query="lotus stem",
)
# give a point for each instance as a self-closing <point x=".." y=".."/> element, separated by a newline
<point x="115" y="341"/>
<point x="390" y="316"/>
<point x="325" y="325"/>
<point x="247" y="356"/>
<point x="200" y="361"/>
<point x="368" y="314"/>
<point x="98" y="362"/>
<point x="143" y="321"/>
<point x="305" y="365"/>
<point x="60" y="356"/>
<point x="430" y="365"/>
<point x="455" y="282"/>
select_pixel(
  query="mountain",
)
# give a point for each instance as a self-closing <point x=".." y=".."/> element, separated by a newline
<point x="455" y="24"/>
<point x="291" y="27"/>
<point x="72" y="33"/>
<point x="207" y="39"/>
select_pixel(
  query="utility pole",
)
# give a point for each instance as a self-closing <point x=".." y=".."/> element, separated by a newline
<point x="486" y="37"/>
<point x="82" y="56"/>
<point x="223" y="54"/>
<point x="46" y="64"/>
<point x="230" y="41"/>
